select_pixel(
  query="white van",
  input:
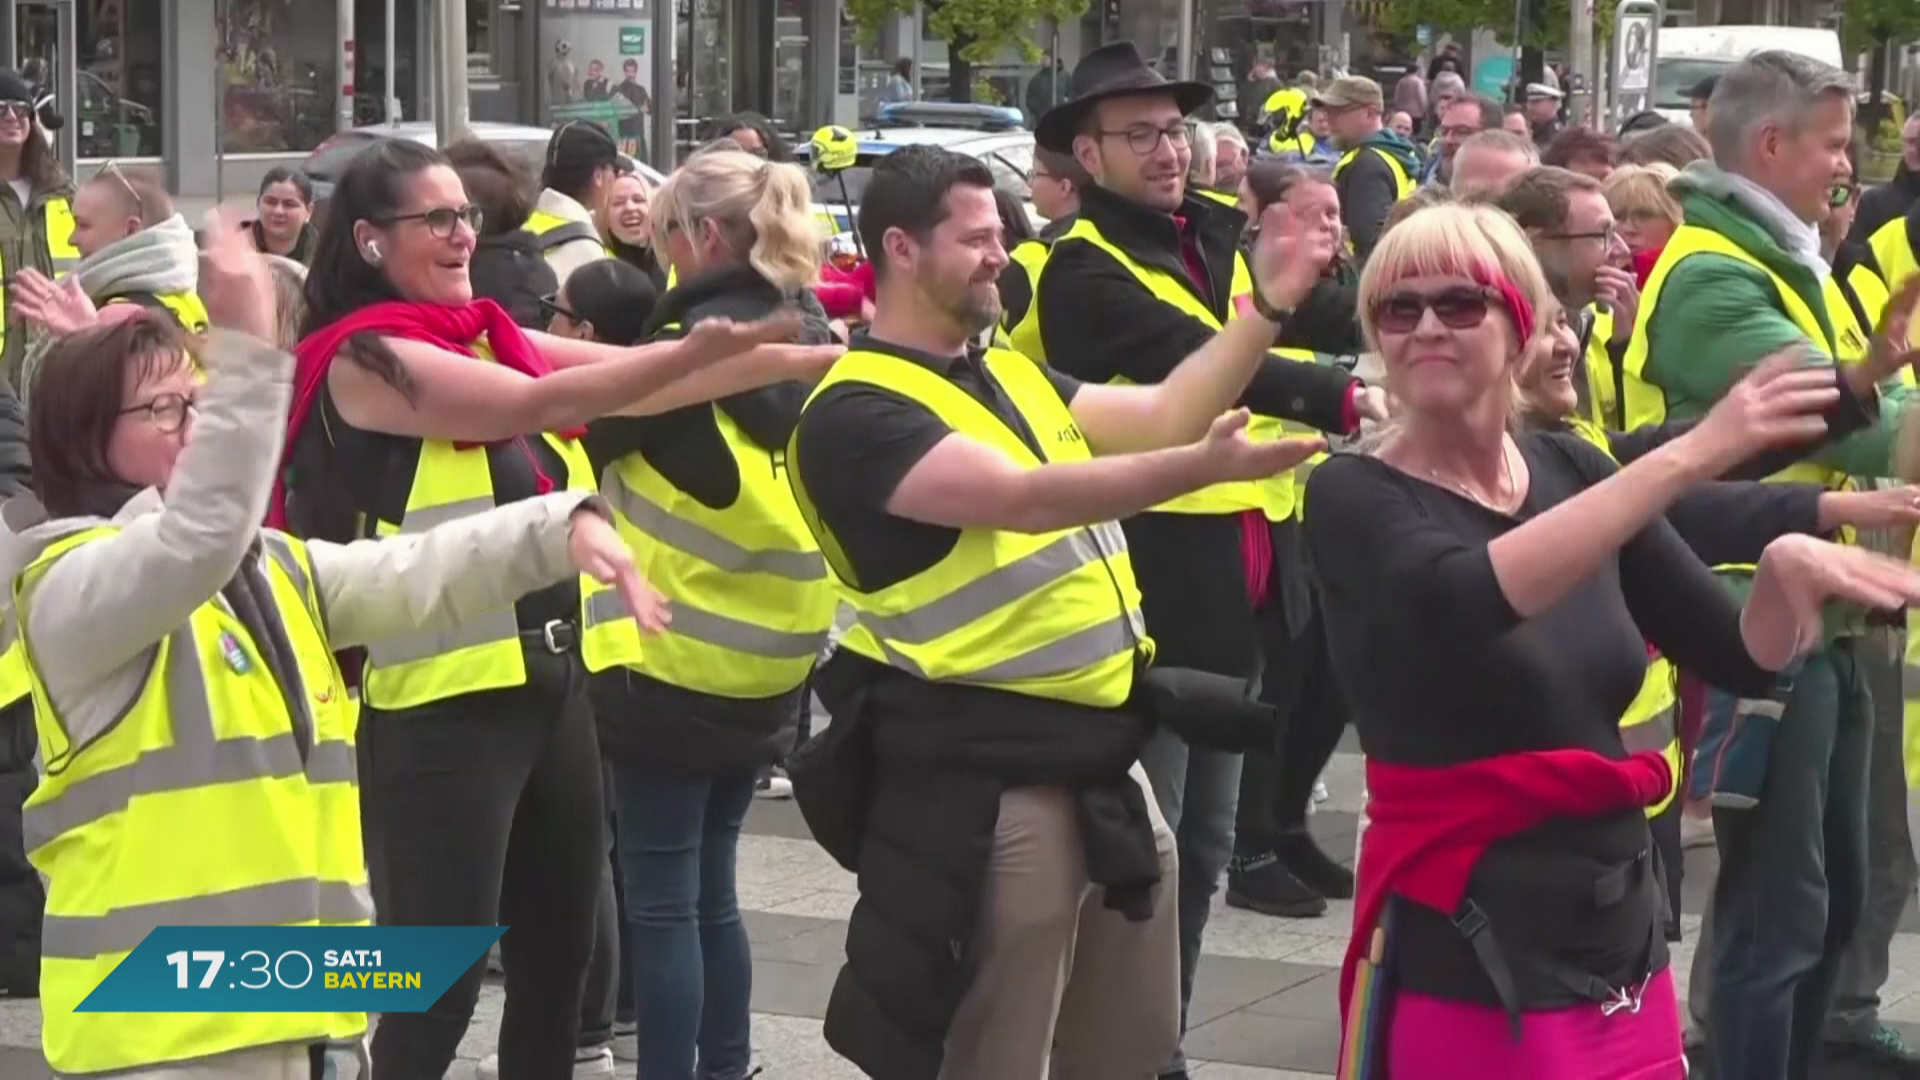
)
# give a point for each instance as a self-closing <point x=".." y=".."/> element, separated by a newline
<point x="1688" y="54"/>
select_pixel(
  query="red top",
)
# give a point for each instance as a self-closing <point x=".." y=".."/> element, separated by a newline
<point x="1428" y="827"/>
<point x="1643" y="264"/>
<point x="454" y="329"/>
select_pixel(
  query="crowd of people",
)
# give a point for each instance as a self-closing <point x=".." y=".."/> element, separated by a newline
<point x="506" y="615"/>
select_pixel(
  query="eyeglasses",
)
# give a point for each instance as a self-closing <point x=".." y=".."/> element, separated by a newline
<point x="16" y="110"/>
<point x="1460" y="308"/>
<point x="1144" y="140"/>
<point x="167" y="412"/>
<point x="1840" y="196"/>
<point x="442" y="220"/>
<point x="550" y="306"/>
<point x="1606" y="236"/>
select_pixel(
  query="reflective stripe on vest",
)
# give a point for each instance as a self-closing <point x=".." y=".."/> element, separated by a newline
<point x="1225" y="498"/>
<point x="1024" y="336"/>
<point x="56" y="231"/>
<point x="1650" y="720"/>
<point x="195" y="809"/>
<point x="1053" y="615"/>
<point x="752" y="603"/>
<point x="1846" y="341"/>
<point x="484" y="652"/>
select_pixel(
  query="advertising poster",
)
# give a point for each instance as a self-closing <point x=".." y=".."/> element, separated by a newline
<point x="597" y="64"/>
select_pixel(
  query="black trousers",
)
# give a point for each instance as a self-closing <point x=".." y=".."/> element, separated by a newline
<point x="482" y="809"/>
<point x="1297" y="678"/>
<point x="608" y="994"/>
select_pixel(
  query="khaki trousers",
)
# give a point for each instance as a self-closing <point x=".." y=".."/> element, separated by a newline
<point x="1062" y="980"/>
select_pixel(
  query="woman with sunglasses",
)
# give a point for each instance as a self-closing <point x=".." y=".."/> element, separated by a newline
<point x="480" y="768"/>
<point x="36" y="228"/>
<point x="702" y="495"/>
<point x="196" y="734"/>
<point x="1488" y="599"/>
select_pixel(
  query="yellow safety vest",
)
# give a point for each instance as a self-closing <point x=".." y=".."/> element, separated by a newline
<point x="185" y="307"/>
<point x="673" y="278"/>
<point x="752" y="603"/>
<point x="1650" y="722"/>
<point x="1847" y="344"/>
<point x="56" y="219"/>
<point x="451" y="482"/>
<point x="1053" y="615"/>
<point x="1404" y="182"/>
<point x="1871" y="291"/>
<point x="1024" y="336"/>
<point x="14" y="683"/>
<point x="1601" y="408"/>
<point x="1275" y="495"/>
<point x="1286" y="108"/>
<point x="198" y="807"/>
<point x="552" y="230"/>
<point x="1221" y="197"/>
<point x="1893" y="250"/>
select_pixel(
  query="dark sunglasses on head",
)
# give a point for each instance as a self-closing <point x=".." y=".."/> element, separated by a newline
<point x="1460" y="308"/>
<point x="442" y="220"/>
<point x="550" y="306"/>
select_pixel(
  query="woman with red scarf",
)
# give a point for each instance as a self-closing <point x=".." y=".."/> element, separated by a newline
<point x="1488" y="597"/>
<point x="479" y="764"/>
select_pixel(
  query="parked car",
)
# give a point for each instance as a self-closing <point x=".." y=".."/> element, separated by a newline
<point x="524" y="143"/>
<point x="1006" y="150"/>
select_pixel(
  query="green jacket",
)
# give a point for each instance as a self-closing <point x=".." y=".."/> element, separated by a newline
<point x="23" y="244"/>
<point x="1717" y="317"/>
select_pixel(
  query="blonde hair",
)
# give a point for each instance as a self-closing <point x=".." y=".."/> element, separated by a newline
<point x="1471" y="241"/>
<point x="1634" y="188"/>
<point x="763" y="209"/>
<point x="1206" y="149"/>
<point x="289" y="300"/>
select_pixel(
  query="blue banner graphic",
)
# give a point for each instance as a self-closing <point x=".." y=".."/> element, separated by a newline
<point x="271" y="969"/>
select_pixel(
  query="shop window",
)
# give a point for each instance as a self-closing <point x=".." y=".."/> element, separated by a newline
<point x="118" y="114"/>
<point x="279" y="75"/>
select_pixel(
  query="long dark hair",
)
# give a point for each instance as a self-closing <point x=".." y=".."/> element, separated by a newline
<point x="78" y="394"/>
<point x="39" y="164"/>
<point x="777" y="148"/>
<point x="339" y="280"/>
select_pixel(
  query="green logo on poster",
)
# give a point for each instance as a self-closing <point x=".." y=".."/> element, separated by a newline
<point x="633" y="40"/>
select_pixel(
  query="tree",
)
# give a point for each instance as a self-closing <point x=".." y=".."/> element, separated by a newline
<point x="1870" y="25"/>
<point x="975" y="30"/>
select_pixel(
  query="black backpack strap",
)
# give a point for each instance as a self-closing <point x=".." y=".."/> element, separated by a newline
<point x="565" y="234"/>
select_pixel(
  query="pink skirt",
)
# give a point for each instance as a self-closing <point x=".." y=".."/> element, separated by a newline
<point x="1436" y="1039"/>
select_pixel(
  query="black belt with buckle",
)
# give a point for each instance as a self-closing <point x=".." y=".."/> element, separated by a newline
<point x="558" y="636"/>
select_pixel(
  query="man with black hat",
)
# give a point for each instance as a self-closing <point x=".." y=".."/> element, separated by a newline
<point x="582" y="160"/>
<point x="36" y="210"/>
<point x="1147" y="274"/>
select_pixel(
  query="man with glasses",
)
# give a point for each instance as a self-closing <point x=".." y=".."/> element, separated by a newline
<point x="582" y="162"/>
<point x="1056" y="182"/>
<point x="1376" y="167"/>
<point x="1148" y="273"/>
<point x="1459" y="120"/>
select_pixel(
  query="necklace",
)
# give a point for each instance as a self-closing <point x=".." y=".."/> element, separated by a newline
<point x="1502" y="496"/>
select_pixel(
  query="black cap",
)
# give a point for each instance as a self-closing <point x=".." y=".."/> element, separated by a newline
<point x="15" y="87"/>
<point x="1703" y="90"/>
<point x="581" y="145"/>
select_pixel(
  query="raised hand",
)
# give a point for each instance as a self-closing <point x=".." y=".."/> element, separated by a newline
<point x="235" y="283"/>
<point x="1779" y="403"/>
<point x="57" y="308"/>
<point x="1615" y="288"/>
<point x="598" y="552"/>
<point x="1232" y="456"/>
<point x="1797" y="575"/>
<point x="1896" y="341"/>
<point x="1289" y="255"/>
<point x="717" y="339"/>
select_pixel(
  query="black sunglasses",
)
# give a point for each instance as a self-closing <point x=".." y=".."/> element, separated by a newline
<point x="442" y="220"/>
<point x="550" y="306"/>
<point x="1460" y="308"/>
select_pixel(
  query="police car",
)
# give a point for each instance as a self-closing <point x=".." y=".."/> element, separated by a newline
<point x="990" y="133"/>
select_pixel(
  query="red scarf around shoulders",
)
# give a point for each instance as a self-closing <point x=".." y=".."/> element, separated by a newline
<point x="454" y="329"/>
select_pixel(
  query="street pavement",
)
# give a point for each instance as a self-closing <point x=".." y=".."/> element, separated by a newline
<point x="1264" y="1005"/>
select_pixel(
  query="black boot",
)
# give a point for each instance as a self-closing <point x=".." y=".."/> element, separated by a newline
<point x="1315" y="869"/>
<point x="1261" y="883"/>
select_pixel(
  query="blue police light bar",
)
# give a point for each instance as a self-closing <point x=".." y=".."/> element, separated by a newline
<point x="949" y="114"/>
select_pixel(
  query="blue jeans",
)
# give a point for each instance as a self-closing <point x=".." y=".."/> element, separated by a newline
<point x="1198" y="792"/>
<point x="1793" y="873"/>
<point x="692" y="971"/>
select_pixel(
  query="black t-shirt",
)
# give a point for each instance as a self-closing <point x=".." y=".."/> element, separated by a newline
<point x="856" y="442"/>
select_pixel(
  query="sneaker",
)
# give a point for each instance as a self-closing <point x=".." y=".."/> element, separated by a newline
<point x="1320" y="793"/>
<point x="1884" y="1051"/>
<point x="773" y="785"/>
<point x="593" y="1061"/>
<point x="626" y="1040"/>
<point x="1314" y="868"/>
<point x="1696" y="832"/>
<point x="1262" y="884"/>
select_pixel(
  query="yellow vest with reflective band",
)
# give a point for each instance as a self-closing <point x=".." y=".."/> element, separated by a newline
<point x="1024" y="336"/>
<point x="1273" y="496"/>
<point x="1650" y="722"/>
<point x="1646" y="404"/>
<point x="450" y="483"/>
<point x="1893" y="250"/>
<point x="200" y="808"/>
<point x="185" y="307"/>
<point x="540" y="223"/>
<point x="1403" y="181"/>
<point x="56" y="225"/>
<point x="752" y="603"/>
<point x="1053" y="615"/>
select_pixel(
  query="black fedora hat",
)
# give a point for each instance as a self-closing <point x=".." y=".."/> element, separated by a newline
<point x="1111" y="71"/>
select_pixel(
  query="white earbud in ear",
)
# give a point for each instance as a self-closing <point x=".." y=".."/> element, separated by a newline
<point x="373" y="251"/>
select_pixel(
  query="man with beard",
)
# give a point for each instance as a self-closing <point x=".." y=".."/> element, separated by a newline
<point x="982" y="769"/>
<point x="1460" y="119"/>
<point x="1147" y="274"/>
